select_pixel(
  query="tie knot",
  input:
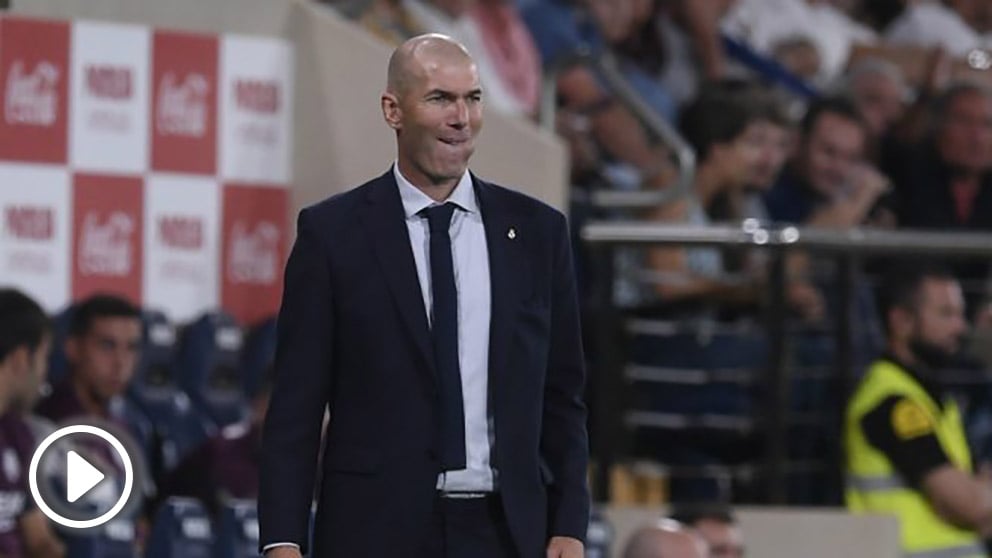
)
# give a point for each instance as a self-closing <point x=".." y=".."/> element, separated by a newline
<point x="439" y="216"/>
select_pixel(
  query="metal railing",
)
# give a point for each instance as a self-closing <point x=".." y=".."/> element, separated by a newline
<point x="848" y="247"/>
<point x="607" y="67"/>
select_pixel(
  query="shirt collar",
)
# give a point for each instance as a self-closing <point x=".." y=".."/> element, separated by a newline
<point x="415" y="200"/>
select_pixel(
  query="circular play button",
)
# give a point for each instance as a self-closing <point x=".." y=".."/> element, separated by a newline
<point x="67" y="471"/>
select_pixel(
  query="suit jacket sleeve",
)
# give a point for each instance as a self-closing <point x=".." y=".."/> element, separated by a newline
<point x="564" y="441"/>
<point x="303" y="379"/>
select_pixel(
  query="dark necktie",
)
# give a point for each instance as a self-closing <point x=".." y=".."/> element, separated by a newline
<point x="444" y="331"/>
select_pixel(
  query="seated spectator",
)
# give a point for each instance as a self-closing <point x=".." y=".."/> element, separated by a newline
<point x="828" y="183"/>
<point x="764" y="24"/>
<point x="226" y="466"/>
<point x="945" y="182"/>
<point x="453" y="18"/>
<point x="717" y="526"/>
<point x="880" y="92"/>
<point x="562" y="28"/>
<point x="665" y="539"/>
<point x="958" y="26"/>
<point x="25" y="338"/>
<point x="510" y="47"/>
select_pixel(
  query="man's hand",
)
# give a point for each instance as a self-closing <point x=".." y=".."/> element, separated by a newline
<point x="283" y="552"/>
<point x="565" y="547"/>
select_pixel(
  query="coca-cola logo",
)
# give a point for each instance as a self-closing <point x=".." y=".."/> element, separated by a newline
<point x="182" y="106"/>
<point x="257" y="96"/>
<point x="109" y="82"/>
<point x="105" y="247"/>
<point x="180" y="232"/>
<point x="32" y="98"/>
<point x="29" y="222"/>
<point x="254" y="253"/>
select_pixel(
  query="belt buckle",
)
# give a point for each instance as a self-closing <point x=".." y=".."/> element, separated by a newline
<point x="464" y="495"/>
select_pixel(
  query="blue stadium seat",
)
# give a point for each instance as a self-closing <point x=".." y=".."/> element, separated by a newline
<point x="181" y="529"/>
<point x="599" y="536"/>
<point x="238" y="530"/>
<point x="209" y="367"/>
<point x="259" y="354"/>
<point x="115" y="539"/>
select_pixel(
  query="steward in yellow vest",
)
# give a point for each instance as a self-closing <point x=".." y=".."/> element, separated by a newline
<point x="905" y="445"/>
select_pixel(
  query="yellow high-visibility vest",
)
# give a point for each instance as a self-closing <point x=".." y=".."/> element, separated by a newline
<point x="874" y="485"/>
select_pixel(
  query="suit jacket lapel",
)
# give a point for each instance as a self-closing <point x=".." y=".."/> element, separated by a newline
<point x="384" y="221"/>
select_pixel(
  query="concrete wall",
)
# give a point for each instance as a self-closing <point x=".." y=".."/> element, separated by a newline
<point x="787" y="532"/>
<point x="339" y="138"/>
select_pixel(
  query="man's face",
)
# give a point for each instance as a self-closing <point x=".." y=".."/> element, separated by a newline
<point x="27" y="387"/>
<point x="832" y="152"/>
<point x="725" y="540"/>
<point x="940" y="316"/>
<point x="103" y="360"/>
<point x="964" y="137"/>
<point x="881" y="100"/>
<point x="773" y="145"/>
<point x="438" y="118"/>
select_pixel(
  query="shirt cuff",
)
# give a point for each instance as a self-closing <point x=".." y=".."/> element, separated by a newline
<point x="269" y="547"/>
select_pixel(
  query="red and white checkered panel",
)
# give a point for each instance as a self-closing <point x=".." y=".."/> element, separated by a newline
<point x="34" y="65"/>
<point x="254" y="237"/>
<point x="114" y="143"/>
<point x="110" y="77"/>
<point x="256" y="109"/>
<point x="182" y="245"/>
<point x="35" y="212"/>
<point x="107" y="228"/>
<point x="184" y="103"/>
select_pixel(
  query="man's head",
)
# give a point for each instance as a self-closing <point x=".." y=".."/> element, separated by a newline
<point x="717" y="526"/>
<point x="433" y="101"/>
<point x="879" y="91"/>
<point x="103" y="346"/>
<point x="925" y="315"/>
<point x="666" y="539"/>
<point x="25" y="340"/>
<point x="833" y="145"/>
<point x="963" y="127"/>
<point x="736" y="134"/>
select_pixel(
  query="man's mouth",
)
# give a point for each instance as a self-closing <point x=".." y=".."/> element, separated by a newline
<point x="453" y="141"/>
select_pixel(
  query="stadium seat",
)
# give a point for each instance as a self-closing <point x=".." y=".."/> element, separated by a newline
<point x="259" y="354"/>
<point x="182" y="529"/>
<point x="238" y="530"/>
<point x="209" y="367"/>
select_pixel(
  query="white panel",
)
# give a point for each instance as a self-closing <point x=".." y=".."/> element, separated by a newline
<point x="182" y="245"/>
<point x="256" y="109"/>
<point x="35" y="225"/>
<point x="109" y="99"/>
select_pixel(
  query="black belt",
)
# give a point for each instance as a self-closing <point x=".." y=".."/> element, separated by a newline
<point x="464" y="495"/>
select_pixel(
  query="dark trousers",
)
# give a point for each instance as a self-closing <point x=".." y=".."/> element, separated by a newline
<point x="469" y="528"/>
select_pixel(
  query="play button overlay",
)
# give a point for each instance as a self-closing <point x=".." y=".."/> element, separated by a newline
<point x="75" y="476"/>
<point x="81" y="477"/>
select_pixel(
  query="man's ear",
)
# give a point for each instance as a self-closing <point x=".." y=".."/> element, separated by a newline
<point x="19" y="360"/>
<point x="391" y="111"/>
<point x="72" y="348"/>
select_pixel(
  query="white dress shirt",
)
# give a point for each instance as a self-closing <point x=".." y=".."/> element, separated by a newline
<point x="470" y="256"/>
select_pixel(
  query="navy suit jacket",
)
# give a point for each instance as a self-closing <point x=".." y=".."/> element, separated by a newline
<point x="353" y="338"/>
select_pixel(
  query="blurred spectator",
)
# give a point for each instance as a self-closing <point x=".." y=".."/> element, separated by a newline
<point x="945" y="183"/>
<point x="880" y="92"/>
<point x="562" y="28"/>
<point x="389" y="20"/>
<point x="717" y="526"/>
<point x="956" y="25"/>
<point x="511" y="49"/>
<point x="25" y="338"/>
<point x="764" y="24"/>
<point x="829" y="183"/>
<point x="226" y="466"/>
<point x="799" y="55"/>
<point x="454" y="18"/>
<point x="666" y="539"/>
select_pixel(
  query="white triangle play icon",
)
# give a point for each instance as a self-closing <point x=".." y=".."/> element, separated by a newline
<point x="81" y="477"/>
